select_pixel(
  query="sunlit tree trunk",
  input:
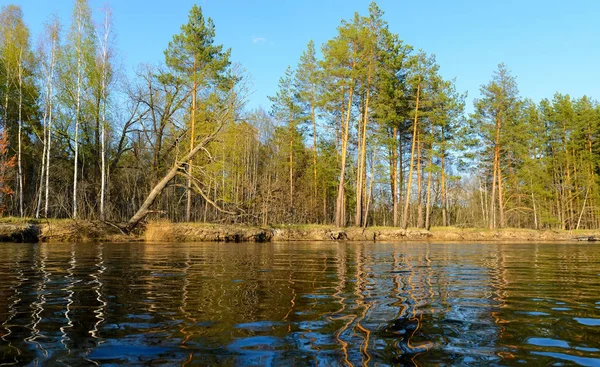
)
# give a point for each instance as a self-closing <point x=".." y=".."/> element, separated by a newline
<point x="443" y="184"/>
<point x="315" y="186"/>
<point x="370" y="190"/>
<point x="188" y="208"/>
<point x="394" y="176"/>
<point x="419" y="184"/>
<point x="429" y="180"/>
<point x="340" y="205"/>
<point x="291" y="161"/>
<point x="405" y="216"/>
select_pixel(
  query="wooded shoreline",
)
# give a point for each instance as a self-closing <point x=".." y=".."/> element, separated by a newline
<point x="364" y="130"/>
<point x="66" y="230"/>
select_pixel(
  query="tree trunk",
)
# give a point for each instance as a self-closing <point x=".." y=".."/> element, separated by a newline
<point x="501" y="199"/>
<point x="394" y="177"/>
<point x="400" y="186"/>
<point x="78" y="102"/>
<point x="19" y="159"/>
<point x="360" y="192"/>
<point x="103" y="127"/>
<point x="429" y="177"/>
<point x="188" y="208"/>
<point x="50" y="99"/>
<point x="412" y="161"/>
<point x="315" y="186"/>
<point x="443" y="185"/>
<point x="340" y="204"/>
<point x="7" y="92"/>
<point x="291" y="165"/>
<point x="419" y="184"/>
<point x="495" y="179"/>
<point x="370" y="190"/>
<point x="145" y="207"/>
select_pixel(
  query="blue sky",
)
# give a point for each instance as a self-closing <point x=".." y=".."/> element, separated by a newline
<point x="548" y="45"/>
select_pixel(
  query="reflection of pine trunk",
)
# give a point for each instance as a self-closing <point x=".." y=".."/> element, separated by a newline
<point x="412" y="161"/>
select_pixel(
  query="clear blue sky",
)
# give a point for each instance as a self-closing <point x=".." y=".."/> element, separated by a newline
<point x="549" y="45"/>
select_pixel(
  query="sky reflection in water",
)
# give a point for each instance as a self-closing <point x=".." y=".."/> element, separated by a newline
<point x="300" y="304"/>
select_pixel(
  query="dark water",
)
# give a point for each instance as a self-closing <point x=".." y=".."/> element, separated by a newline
<point x="324" y="304"/>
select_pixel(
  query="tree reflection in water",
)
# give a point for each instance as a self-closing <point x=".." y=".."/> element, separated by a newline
<point x="300" y="303"/>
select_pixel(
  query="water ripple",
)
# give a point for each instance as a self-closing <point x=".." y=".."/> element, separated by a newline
<point x="300" y="304"/>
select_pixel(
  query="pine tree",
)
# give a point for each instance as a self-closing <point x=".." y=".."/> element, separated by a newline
<point x="495" y="111"/>
<point x="309" y="87"/>
<point x="194" y="56"/>
<point x="287" y="109"/>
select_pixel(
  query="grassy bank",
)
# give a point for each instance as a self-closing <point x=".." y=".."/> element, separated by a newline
<point x="68" y="230"/>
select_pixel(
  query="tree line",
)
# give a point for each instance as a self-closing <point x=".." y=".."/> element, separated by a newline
<point x="363" y="131"/>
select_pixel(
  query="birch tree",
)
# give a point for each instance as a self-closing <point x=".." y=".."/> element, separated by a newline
<point x="105" y="79"/>
<point x="48" y="50"/>
<point x="80" y="54"/>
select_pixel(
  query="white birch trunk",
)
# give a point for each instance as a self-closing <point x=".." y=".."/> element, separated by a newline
<point x="78" y="97"/>
<point x="49" y="145"/>
<point x="19" y="160"/>
<point x="103" y="127"/>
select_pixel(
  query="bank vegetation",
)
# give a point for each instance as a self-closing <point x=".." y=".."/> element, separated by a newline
<point x="364" y="131"/>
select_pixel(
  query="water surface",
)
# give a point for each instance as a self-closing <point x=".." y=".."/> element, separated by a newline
<point x="325" y="304"/>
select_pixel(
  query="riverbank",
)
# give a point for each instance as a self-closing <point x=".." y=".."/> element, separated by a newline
<point x="67" y="230"/>
<point x="190" y="232"/>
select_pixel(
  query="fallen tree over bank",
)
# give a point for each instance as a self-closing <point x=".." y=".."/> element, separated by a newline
<point x="225" y="115"/>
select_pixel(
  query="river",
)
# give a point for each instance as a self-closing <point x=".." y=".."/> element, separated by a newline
<point x="324" y="304"/>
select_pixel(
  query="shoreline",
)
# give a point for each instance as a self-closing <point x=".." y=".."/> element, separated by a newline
<point x="66" y="230"/>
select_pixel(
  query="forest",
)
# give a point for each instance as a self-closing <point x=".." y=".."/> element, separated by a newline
<point x="363" y="131"/>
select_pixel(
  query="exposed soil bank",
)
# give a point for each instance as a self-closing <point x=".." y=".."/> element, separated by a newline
<point x="189" y="232"/>
<point x="12" y="230"/>
<point x="60" y="230"/>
